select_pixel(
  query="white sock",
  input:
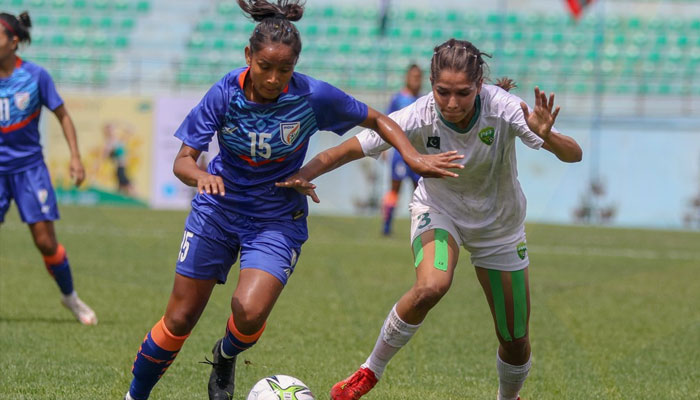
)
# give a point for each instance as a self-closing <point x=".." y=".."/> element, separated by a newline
<point x="511" y="378"/>
<point x="394" y="335"/>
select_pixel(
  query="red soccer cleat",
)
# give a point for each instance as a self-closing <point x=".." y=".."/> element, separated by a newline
<point x="354" y="387"/>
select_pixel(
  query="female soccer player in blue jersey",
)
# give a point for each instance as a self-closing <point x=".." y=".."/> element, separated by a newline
<point x="263" y="116"/>
<point x="399" y="169"/>
<point x="24" y="88"/>
<point x="483" y="210"/>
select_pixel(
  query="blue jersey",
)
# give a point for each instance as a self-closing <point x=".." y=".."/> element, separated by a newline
<point x="22" y="95"/>
<point x="261" y="144"/>
<point x="400" y="100"/>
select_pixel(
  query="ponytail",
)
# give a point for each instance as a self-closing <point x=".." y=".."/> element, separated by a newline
<point x="274" y="22"/>
<point x="18" y="27"/>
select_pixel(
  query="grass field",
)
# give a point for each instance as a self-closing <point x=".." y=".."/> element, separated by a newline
<point x="615" y="314"/>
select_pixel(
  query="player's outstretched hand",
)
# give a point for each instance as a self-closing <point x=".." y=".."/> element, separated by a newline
<point x="301" y="185"/>
<point x="435" y="165"/>
<point x="542" y="118"/>
<point x="77" y="171"/>
<point x="211" y="184"/>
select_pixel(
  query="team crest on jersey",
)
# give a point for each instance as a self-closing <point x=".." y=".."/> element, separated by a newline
<point x="522" y="250"/>
<point x="22" y="100"/>
<point x="289" y="131"/>
<point x="487" y="135"/>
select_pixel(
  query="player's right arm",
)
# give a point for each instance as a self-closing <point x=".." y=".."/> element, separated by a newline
<point x="196" y="131"/>
<point x="186" y="169"/>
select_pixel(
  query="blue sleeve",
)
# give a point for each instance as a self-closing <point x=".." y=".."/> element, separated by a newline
<point x="335" y="110"/>
<point x="394" y="105"/>
<point x="47" y="91"/>
<point x="204" y="120"/>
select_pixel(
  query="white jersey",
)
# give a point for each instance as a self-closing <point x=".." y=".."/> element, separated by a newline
<point x="486" y="200"/>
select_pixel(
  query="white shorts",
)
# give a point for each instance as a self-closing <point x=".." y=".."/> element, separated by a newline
<point x="508" y="254"/>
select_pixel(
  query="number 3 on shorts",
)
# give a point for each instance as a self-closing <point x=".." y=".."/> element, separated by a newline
<point x="425" y="217"/>
<point x="185" y="246"/>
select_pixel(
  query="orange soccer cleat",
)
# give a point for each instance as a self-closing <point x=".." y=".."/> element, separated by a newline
<point x="354" y="387"/>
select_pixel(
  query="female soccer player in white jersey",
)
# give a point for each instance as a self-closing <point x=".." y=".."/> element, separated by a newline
<point x="482" y="210"/>
<point x="24" y="89"/>
<point x="263" y="116"/>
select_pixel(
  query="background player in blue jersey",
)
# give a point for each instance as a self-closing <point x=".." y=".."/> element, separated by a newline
<point x="399" y="169"/>
<point x="263" y="117"/>
<point x="24" y="88"/>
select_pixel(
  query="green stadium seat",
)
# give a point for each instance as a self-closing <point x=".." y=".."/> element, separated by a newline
<point x="100" y="4"/>
<point x="127" y="23"/>
<point x="143" y="6"/>
<point x="58" y="4"/>
<point x="79" y="4"/>
<point x="228" y="27"/>
<point x="63" y="21"/>
<point x="85" y="21"/>
<point x="78" y="40"/>
<point x="122" y="5"/>
<point x="16" y="3"/>
<point x="42" y="20"/>
<point x="227" y="8"/>
<point x="58" y="40"/>
<point x="121" y="41"/>
<point x="206" y="26"/>
<point x="99" y="41"/>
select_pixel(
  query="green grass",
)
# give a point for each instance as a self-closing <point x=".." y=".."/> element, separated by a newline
<point x="615" y="314"/>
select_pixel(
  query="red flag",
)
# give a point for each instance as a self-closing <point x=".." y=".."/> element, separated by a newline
<point x="577" y="6"/>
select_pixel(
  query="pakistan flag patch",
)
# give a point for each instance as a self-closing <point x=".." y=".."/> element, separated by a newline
<point x="487" y="135"/>
<point x="522" y="250"/>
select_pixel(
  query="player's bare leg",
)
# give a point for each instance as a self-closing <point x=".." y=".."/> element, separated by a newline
<point x="251" y="304"/>
<point x="57" y="265"/>
<point x="436" y="253"/>
<point x="508" y="295"/>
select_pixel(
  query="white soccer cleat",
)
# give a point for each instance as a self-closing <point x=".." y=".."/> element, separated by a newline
<point x="83" y="313"/>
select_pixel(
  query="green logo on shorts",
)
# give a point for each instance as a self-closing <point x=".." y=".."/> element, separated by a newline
<point x="522" y="250"/>
<point x="487" y="135"/>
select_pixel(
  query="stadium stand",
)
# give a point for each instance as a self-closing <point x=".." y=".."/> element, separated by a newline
<point x="79" y="41"/>
<point x="622" y="55"/>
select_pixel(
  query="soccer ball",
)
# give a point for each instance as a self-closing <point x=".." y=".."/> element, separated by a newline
<point x="280" y="387"/>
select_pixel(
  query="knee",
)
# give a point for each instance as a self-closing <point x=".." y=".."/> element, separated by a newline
<point x="180" y="323"/>
<point x="249" y="317"/>
<point x="46" y="245"/>
<point x="517" y="348"/>
<point x="427" y="295"/>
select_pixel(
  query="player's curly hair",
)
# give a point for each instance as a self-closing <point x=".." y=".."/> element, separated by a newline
<point x="274" y="22"/>
<point x="17" y="26"/>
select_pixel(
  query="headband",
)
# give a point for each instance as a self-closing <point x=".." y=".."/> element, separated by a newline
<point x="8" y="27"/>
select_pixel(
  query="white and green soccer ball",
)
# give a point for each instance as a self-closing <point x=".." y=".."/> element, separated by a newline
<point x="280" y="387"/>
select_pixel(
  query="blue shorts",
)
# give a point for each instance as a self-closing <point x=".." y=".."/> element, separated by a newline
<point x="400" y="170"/>
<point x="213" y="239"/>
<point x="33" y="194"/>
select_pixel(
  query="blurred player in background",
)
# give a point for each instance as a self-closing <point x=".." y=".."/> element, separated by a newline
<point x="263" y="116"/>
<point x="24" y="88"/>
<point x="482" y="210"/>
<point x="399" y="169"/>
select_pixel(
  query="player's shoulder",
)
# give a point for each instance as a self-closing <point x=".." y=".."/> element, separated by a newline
<point x="305" y="85"/>
<point x="33" y="68"/>
<point x="423" y="110"/>
<point x="498" y="102"/>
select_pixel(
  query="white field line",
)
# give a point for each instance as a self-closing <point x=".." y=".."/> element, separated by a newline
<point x="579" y="251"/>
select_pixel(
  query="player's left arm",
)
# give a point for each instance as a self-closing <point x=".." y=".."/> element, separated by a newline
<point x="541" y="120"/>
<point x="427" y="165"/>
<point x="77" y="171"/>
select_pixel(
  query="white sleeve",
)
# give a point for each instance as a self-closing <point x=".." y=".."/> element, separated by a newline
<point x="518" y="125"/>
<point x="407" y="118"/>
